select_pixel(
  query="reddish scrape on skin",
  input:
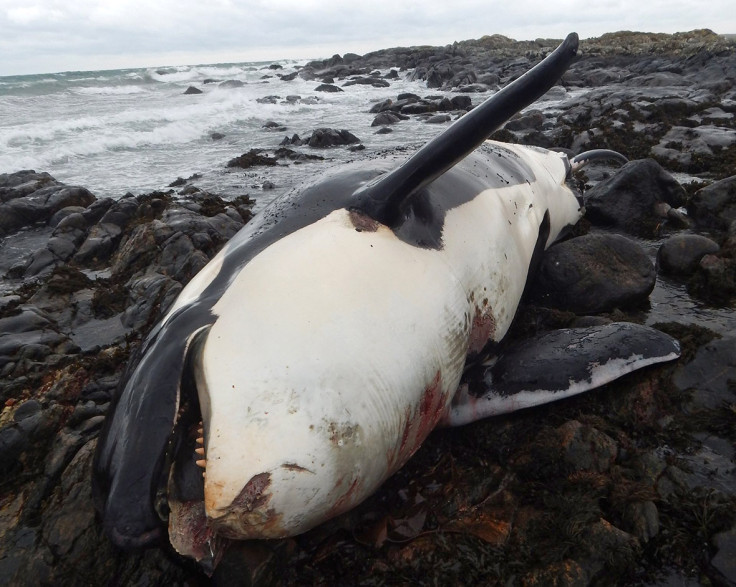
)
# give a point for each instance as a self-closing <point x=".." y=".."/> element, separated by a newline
<point x="346" y="500"/>
<point x="253" y="495"/>
<point x="406" y="432"/>
<point x="191" y="534"/>
<point x="421" y="422"/>
<point x="363" y="223"/>
<point x="482" y="330"/>
<point x="432" y="407"/>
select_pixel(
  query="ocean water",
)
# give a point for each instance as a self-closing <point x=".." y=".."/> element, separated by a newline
<point x="134" y="130"/>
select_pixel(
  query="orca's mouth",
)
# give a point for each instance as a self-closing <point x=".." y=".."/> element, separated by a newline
<point x="179" y="500"/>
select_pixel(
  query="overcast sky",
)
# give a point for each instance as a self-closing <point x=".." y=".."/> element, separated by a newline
<point x="45" y="36"/>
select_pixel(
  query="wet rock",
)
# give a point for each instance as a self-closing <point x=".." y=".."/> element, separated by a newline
<point x="461" y="103"/>
<point x="715" y="279"/>
<point x="422" y="107"/>
<point x="295" y="140"/>
<point x="191" y="90"/>
<point x="231" y="84"/>
<point x="631" y="199"/>
<point x="439" y="119"/>
<point x="684" y="144"/>
<point x="725" y="559"/>
<point x="680" y="254"/>
<point x="95" y="211"/>
<point x="642" y="520"/>
<point x="150" y="296"/>
<point x="608" y="548"/>
<point x="138" y="250"/>
<point x="28" y="198"/>
<point x="530" y="120"/>
<point x="585" y="448"/>
<point x="328" y="88"/>
<point x="291" y="155"/>
<point x="714" y="206"/>
<point x="381" y="106"/>
<point x="251" y="159"/>
<point x="370" y="81"/>
<point x="594" y="273"/>
<point x="568" y="573"/>
<point x="273" y="125"/>
<point x="100" y="243"/>
<point x="64" y="213"/>
<point x="323" y="138"/>
<point x="708" y="375"/>
<point x="387" y="118"/>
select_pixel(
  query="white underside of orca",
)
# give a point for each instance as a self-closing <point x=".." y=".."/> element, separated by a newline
<point x="343" y="348"/>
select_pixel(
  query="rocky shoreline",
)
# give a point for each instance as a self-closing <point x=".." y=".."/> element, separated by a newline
<point x="635" y="484"/>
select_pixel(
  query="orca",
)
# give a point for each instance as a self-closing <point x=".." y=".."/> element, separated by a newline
<point x="309" y="360"/>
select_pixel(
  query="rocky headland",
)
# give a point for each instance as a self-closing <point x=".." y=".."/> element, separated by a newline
<point x="632" y="484"/>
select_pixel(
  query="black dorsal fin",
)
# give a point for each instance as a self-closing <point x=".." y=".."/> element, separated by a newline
<point x="382" y="198"/>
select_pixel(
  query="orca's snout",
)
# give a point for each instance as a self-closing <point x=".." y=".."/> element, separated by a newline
<point x="132" y="529"/>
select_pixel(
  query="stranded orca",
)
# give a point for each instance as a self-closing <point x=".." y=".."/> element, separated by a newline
<point x="329" y="337"/>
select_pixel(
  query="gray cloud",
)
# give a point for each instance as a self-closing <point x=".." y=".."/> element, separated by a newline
<point x="50" y="35"/>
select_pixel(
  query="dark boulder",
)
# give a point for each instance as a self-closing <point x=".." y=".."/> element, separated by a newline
<point x="367" y="81"/>
<point x="328" y="88"/>
<point x="531" y="120"/>
<point x="636" y="198"/>
<point x="329" y="137"/>
<point x="422" y="107"/>
<point x="251" y="159"/>
<point x="594" y="273"/>
<point x="385" y="118"/>
<point x="680" y="254"/>
<point x="30" y="198"/>
<point x="232" y="83"/>
<point x="439" y="119"/>
<point x="192" y="90"/>
<point x="714" y="206"/>
<point x="381" y="106"/>
<point x="461" y="102"/>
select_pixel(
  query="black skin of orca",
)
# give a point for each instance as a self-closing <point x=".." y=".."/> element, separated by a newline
<point x="412" y="199"/>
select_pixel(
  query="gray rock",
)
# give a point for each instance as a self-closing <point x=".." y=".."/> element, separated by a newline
<point x="18" y="208"/>
<point x="385" y="118"/>
<point x="680" y="254"/>
<point x="587" y="449"/>
<point x="725" y="559"/>
<point x="328" y="88"/>
<point x="631" y="199"/>
<point x="150" y="297"/>
<point x="530" y="120"/>
<point x="594" y="273"/>
<point x="438" y="119"/>
<point x="231" y="83"/>
<point x="642" y="520"/>
<point x="329" y="137"/>
<point x="709" y="373"/>
<point x="100" y="243"/>
<point x="381" y="106"/>
<point x="417" y="107"/>
<point x="714" y="206"/>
